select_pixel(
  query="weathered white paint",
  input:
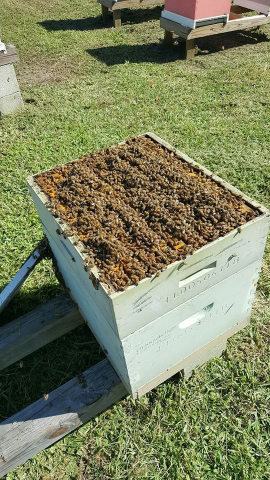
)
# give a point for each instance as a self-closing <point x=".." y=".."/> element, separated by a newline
<point x="190" y="22"/>
<point x="161" y="344"/>
<point x="10" y="97"/>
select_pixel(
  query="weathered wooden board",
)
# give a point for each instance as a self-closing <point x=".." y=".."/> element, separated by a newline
<point x="10" y="57"/>
<point x="62" y="411"/>
<point x="37" y="328"/>
<point x="119" y="5"/>
<point x="232" y="25"/>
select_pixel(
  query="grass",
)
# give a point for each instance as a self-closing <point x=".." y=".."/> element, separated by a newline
<point x="86" y="86"/>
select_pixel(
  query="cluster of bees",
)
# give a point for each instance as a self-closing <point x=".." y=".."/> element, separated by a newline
<point x="139" y="207"/>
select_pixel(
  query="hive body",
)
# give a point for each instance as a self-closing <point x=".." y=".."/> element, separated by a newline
<point x="193" y="13"/>
<point x="261" y="6"/>
<point x="10" y="96"/>
<point x="152" y="330"/>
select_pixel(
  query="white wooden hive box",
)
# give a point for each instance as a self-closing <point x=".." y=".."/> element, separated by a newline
<point x="149" y="331"/>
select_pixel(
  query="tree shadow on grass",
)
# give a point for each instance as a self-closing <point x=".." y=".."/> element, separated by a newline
<point x="157" y="53"/>
<point x="129" y="16"/>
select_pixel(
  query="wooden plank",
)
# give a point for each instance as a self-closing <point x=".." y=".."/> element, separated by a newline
<point x="104" y="13"/>
<point x="232" y="25"/>
<point x="190" y="49"/>
<point x="117" y="18"/>
<point x="46" y="421"/>
<point x="120" y="4"/>
<point x="168" y="38"/>
<point x="37" y="328"/>
<point x="10" y="57"/>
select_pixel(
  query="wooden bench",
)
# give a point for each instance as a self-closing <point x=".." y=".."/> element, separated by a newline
<point x="236" y="22"/>
<point x="116" y="8"/>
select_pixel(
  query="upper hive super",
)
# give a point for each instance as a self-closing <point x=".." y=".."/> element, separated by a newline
<point x="138" y="207"/>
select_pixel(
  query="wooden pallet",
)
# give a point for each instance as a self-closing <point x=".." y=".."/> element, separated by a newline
<point x="79" y="400"/>
<point x="236" y="22"/>
<point x="117" y="6"/>
<point x="66" y="408"/>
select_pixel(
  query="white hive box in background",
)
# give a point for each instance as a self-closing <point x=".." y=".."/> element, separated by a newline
<point x="166" y="322"/>
<point x="10" y="96"/>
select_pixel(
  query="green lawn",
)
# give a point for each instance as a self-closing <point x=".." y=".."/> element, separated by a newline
<point x="85" y="86"/>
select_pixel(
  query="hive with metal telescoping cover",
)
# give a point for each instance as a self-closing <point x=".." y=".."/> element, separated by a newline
<point x="181" y="313"/>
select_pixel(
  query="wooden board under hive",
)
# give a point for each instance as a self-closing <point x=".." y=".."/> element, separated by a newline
<point x="157" y="273"/>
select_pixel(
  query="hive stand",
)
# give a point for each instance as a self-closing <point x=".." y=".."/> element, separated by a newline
<point x="236" y="22"/>
<point x="117" y="6"/>
<point x="10" y="96"/>
<point x="60" y="412"/>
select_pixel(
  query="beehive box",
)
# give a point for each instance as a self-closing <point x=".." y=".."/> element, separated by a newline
<point x="177" y="311"/>
<point x="194" y="13"/>
<point x="261" y="6"/>
<point x="10" y="96"/>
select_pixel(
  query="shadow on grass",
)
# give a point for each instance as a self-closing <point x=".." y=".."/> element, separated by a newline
<point x="226" y="41"/>
<point x="129" y="17"/>
<point x="157" y="53"/>
<point x="24" y="302"/>
<point x="48" y="367"/>
<point x="145" y="53"/>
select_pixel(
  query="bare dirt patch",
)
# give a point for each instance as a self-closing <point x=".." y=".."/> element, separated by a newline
<point x="36" y="72"/>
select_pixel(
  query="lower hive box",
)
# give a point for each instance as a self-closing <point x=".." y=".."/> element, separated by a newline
<point x="161" y="256"/>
